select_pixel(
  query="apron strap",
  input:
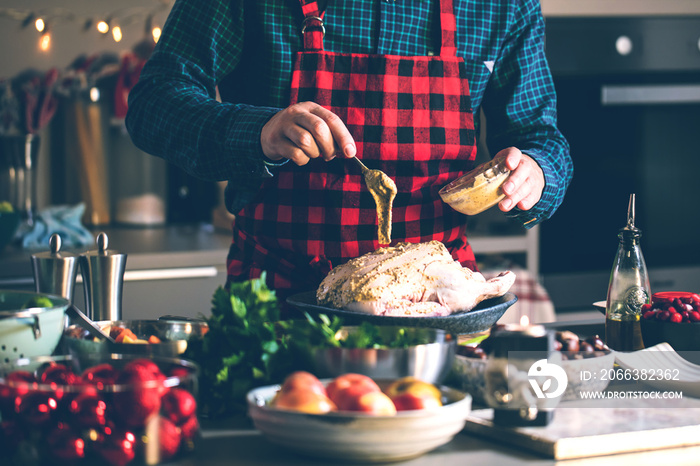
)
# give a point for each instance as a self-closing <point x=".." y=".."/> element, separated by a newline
<point x="448" y="27"/>
<point x="312" y="29"/>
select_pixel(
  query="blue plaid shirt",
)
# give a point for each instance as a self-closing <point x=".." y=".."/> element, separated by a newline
<point x="245" y="48"/>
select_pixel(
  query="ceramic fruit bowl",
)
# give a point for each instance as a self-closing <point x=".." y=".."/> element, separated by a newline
<point x="357" y="436"/>
<point x="427" y="354"/>
<point x="98" y="409"/>
<point x="30" y="324"/>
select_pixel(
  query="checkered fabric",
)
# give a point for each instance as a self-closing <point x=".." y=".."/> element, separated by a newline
<point x="411" y="117"/>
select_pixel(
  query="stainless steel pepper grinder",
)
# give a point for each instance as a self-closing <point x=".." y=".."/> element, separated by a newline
<point x="55" y="271"/>
<point x="103" y="281"/>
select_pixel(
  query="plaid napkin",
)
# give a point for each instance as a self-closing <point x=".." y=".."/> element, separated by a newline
<point x="533" y="300"/>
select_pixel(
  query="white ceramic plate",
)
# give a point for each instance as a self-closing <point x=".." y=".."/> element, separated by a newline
<point x="358" y="436"/>
<point x="670" y="371"/>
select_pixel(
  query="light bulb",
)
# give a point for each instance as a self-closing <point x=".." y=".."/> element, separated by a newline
<point x="94" y="94"/>
<point x="45" y="41"/>
<point x="117" y="33"/>
<point x="39" y="24"/>
<point x="156" y="33"/>
<point x="103" y="27"/>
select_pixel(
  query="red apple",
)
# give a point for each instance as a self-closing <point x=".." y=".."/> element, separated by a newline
<point x="338" y="385"/>
<point x="356" y="398"/>
<point x="410" y="393"/>
<point x="304" y="400"/>
<point x="303" y="380"/>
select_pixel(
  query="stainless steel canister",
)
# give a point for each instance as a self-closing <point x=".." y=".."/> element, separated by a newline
<point x="103" y="281"/>
<point x="55" y="271"/>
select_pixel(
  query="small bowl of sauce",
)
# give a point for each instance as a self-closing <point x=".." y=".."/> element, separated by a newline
<point x="479" y="189"/>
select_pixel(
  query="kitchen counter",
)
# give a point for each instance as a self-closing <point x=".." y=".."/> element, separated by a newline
<point x="153" y="247"/>
<point x="236" y="442"/>
<point x="172" y="269"/>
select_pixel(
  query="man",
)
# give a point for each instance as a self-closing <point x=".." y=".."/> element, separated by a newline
<point x="304" y="86"/>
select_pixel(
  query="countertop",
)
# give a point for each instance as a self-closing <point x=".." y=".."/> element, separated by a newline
<point x="235" y="442"/>
<point x="188" y="245"/>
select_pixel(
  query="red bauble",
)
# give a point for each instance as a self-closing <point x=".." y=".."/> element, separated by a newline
<point x="65" y="444"/>
<point x="179" y="405"/>
<point x="35" y="408"/>
<point x="100" y="375"/>
<point x="141" y="391"/>
<point x="16" y="384"/>
<point x="58" y="374"/>
<point x="88" y="410"/>
<point x="168" y="438"/>
<point x="116" y="446"/>
<point x="11" y="435"/>
<point x="189" y="428"/>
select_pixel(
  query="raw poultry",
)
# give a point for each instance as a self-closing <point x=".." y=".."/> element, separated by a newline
<point x="409" y="279"/>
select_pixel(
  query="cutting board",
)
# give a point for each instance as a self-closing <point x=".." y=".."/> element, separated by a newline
<point x="578" y="432"/>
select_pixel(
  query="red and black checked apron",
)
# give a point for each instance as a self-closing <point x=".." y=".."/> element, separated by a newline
<point x="411" y="117"/>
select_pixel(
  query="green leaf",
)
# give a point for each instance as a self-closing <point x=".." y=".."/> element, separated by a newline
<point x="222" y="375"/>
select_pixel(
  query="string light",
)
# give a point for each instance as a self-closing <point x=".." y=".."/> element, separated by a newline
<point x="45" y="40"/>
<point x="117" y="33"/>
<point x="102" y="26"/>
<point x="94" y="94"/>
<point x="114" y="22"/>
<point x="155" y="32"/>
<point x="152" y="29"/>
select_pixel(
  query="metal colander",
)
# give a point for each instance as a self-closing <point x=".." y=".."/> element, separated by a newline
<point x="27" y="331"/>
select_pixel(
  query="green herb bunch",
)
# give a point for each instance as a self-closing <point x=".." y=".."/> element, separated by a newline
<point x="248" y="346"/>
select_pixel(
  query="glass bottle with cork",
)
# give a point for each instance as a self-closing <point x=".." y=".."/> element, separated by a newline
<point x="628" y="290"/>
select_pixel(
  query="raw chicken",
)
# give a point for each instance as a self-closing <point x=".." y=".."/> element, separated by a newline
<point x="408" y="279"/>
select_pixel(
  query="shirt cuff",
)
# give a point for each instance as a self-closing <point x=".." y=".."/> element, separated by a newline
<point x="243" y="138"/>
<point x="538" y="212"/>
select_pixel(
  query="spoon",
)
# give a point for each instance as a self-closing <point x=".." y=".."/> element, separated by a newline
<point x="86" y="323"/>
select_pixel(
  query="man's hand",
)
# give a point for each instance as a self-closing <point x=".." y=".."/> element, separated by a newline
<point x="524" y="186"/>
<point x="305" y="131"/>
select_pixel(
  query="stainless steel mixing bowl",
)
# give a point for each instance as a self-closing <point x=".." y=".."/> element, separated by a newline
<point x="429" y="362"/>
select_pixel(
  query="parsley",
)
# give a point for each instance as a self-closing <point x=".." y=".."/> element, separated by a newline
<point x="248" y="346"/>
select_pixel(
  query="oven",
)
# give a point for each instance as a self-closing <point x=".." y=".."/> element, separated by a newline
<point x="628" y="91"/>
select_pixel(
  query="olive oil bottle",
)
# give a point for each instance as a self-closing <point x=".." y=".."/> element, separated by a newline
<point x="628" y="289"/>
